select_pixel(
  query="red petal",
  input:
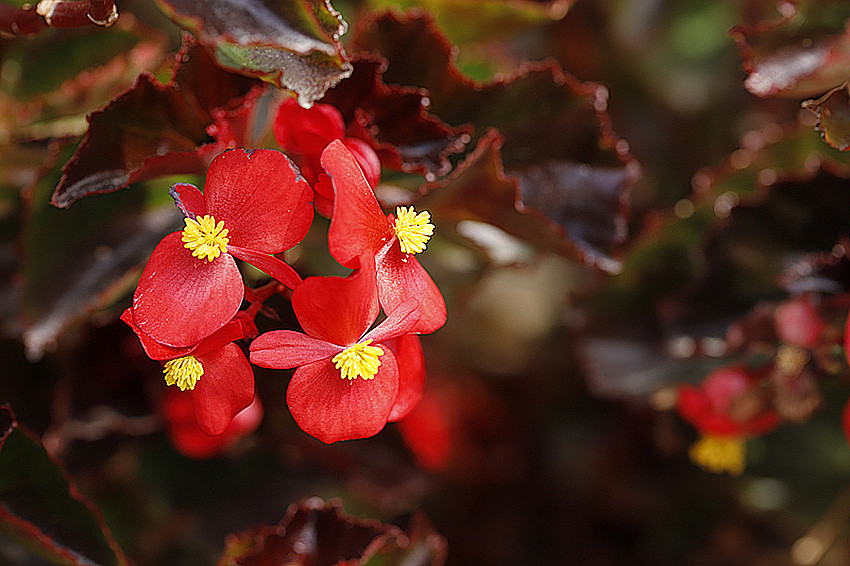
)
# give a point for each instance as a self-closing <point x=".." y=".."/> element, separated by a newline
<point x="152" y="348"/>
<point x="269" y="264"/>
<point x="427" y="430"/>
<point x="293" y="121"/>
<point x="366" y="157"/>
<point x="358" y="223"/>
<point x="230" y="332"/>
<point x="187" y="436"/>
<point x="411" y="374"/>
<point x="189" y="199"/>
<point x="283" y="349"/>
<point x="263" y="201"/>
<point x="181" y="299"/>
<point x="226" y="388"/>
<point x="400" y="278"/>
<point x="338" y="309"/>
<point x="322" y="204"/>
<point x="400" y="321"/>
<point x="332" y="408"/>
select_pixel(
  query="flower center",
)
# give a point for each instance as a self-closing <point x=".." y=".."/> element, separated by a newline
<point x="183" y="372"/>
<point x="360" y="360"/>
<point x="719" y="454"/>
<point x="205" y="238"/>
<point x="413" y="230"/>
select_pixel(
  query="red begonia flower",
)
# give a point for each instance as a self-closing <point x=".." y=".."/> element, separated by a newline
<point x="214" y="372"/>
<point x="305" y="132"/>
<point x="359" y="226"/>
<point x="709" y="407"/>
<point x="187" y="436"/>
<point x="254" y="205"/>
<point x="346" y="382"/>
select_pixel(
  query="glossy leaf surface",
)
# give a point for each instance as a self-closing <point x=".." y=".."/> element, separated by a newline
<point x="292" y="44"/>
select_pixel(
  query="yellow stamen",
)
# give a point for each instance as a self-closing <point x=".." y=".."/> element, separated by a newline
<point x="360" y="360"/>
<point x="205" y="238"/>
<point x="719" y="454"/>
<point x="790" y="360"/>
<point x="183" y="372"/>
<point x="413" y="230"/>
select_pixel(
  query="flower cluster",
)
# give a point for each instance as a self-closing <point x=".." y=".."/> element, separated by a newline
<point x="351" y="376"/>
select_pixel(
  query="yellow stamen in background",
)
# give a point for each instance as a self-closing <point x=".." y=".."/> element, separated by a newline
<point x="719" y="454"/>
<point x="205" y="238"/>
<point x="360" y="360"/>
<point x="183" y="372"/>
<point x="790" y="360"/>
<point x="413" y="230"/>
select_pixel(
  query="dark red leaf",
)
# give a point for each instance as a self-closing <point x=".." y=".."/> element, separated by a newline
<point x="395" y="121"/>
<point x="833" y="112"/>
<point x="542" y="112"/>
<point x="154" y="129"/>
<point x="555" y="142"/>
<point x="41" y="508"/>
<point x="313" y="533"/>
<point x="801" y="50"/>
<point x="293" y="44"/>
<point x="587" y="225"/>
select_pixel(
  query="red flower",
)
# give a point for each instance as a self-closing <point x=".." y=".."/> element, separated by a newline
<point x="711" y="407"/>
<point x="305" y="132"/>
<point x="798" y="322"/>
<point x="359" y="226"/>
<point x="254" y="204"/>
<point x="347" y="382"/>
<point x="214" y="371"/>
<point x="186" y="434"/>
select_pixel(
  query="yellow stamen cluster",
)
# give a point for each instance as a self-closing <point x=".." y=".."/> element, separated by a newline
<point x="413" y="230"/>
<point x="790" y="360"/>
<point x="719" y="454"/>
<point x="183" y="372"/>
<point x="205" y="238"/>
<point x="360" y="360"/>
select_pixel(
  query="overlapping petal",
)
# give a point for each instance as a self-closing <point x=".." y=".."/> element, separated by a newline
<point x="338" y="309"/>
<point x="411" y="374"/>
<point x="260" y="196"/>
<point x="305" y="132"/>
<point x="226" y="388"/>
<point x="186" y="434"/>
<point x="180" y="300"/>
<point x="284" y="349"/>
<point x="332" y="409"/>
<point x="401" y="278"/>
<point x="360" y="226"/>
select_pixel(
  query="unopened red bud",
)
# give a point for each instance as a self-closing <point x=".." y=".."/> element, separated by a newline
<point x="798" y="322"/>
